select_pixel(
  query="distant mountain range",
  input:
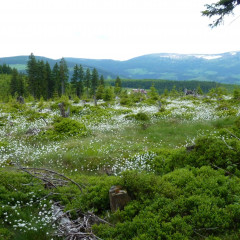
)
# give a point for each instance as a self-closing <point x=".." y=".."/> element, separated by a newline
<point x="224" y="68"/>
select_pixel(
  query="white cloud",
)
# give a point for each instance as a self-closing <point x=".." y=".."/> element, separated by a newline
<point x="117" y="29"/>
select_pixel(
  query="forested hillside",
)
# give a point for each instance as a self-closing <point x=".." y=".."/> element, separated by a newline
<point x="40" y="80"/>
<point x="222" y="68"/>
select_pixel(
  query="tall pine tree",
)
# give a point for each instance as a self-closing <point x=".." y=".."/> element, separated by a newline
<point x="31" y="71"/>
<point x="14" y="82"/>
<point x="87" y="81"/>
<point x="49" y="80"/>
<point x="74" y="79"/>
<point x="94" y="81"/>
<point x="80" y="87"/>
<point x="56" y="80"/>
<point x="63" y="73"/>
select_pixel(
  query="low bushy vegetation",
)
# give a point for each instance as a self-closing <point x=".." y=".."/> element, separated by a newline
<point x="177" y="158"/>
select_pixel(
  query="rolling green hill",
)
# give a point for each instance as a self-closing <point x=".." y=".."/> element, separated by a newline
<point x="223" y="68"/>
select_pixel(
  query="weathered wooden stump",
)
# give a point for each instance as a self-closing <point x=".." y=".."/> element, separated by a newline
<point x="118" y="198"/>
<point x="21" y="100"/>
<point x="62" y="110"/>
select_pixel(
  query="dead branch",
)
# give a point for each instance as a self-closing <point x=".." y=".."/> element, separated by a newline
<point x="229" y="173"/>
<point x="231" y="148"/>
<point x="34" y="175"/>
<point x="45" y="177"/>
<point x="233" y="135"/>
<point x="44" y="120"/>
<point x="78" y="229"/>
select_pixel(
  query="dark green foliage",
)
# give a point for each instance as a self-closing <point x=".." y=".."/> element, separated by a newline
<point x="5" y="234"/>
<point x="236" y="94"/>
<point x="153" y="94"/>
<point x="199" y="90"/>
<point x="77" y="80"/>
<point x="118" y="86"/>
<point x="96" y="195"/>
<point x="101" y="81"/>
<point x="100" y="92"/>
<point x="94" y="81"/>
<point x="108" y="94"/>
<point x="217" y="92"/>
<point x="141" y="116"/>
<point x="87" y="80"/>
<point x="14" y="82"/>
<point x="19" y="188"/>
<point x="42" y="82"/>
<point x="220" y="9"/>
<point x="5" y="69"/>
<point x="180" y="205"/>
<point x="49" y="82"/>
<point x="32" y="77"/>
<point x="56" y="79"/>
<point x="80" y="84"/>
<point x="65" y="127"/>
<point x="218" y="153"/>
<point x="165" y="85"/>
<point x="63" y="74"/>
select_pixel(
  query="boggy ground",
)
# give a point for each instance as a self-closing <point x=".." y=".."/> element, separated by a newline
<point x="176" y="194"/>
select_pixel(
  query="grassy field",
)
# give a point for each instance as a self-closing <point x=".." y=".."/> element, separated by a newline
<point x="142" y="148"/>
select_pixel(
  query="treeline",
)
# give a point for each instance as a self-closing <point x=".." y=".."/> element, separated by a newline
<point x="42" y="81"/>
<point x="163" y="85"/>
<point x="46" y="82"/>
<point x="5" y="69"/>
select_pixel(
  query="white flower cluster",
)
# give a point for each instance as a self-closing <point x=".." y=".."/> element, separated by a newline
<point x="138" y="162"/>
<point x="35" y="221"/>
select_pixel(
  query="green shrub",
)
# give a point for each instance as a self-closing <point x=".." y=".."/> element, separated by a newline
<point x="64" y="127"/>
<point x="179" y="205"/>
<point x="69" y="127"/>
<point x="125" y="101"/>
<point x="5" y="234"/>
<point x="139" y="116"/>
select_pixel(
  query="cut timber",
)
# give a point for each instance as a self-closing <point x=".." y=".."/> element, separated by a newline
<point x="118" y="198"/>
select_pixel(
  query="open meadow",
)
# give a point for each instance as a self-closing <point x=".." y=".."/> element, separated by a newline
<point x="177" y="158"/>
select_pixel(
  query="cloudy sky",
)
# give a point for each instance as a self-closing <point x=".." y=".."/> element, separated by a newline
<point x="115" y="29"/>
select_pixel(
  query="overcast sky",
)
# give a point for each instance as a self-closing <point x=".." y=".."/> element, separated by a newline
<point x="115" y="29"/>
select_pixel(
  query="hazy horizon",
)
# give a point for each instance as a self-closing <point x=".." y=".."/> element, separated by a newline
<point x="112" y="29"/>
<point x="124" y="59"/>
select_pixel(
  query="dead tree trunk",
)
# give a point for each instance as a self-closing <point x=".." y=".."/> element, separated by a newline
<point x="62" y="110"/>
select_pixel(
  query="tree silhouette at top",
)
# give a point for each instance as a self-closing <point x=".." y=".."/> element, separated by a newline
<point x="220" y="9"/>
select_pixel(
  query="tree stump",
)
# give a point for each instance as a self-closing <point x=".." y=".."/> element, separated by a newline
<point x="62" y="110"/>
<point x="118" y="198"/>
<point x="21" y="100"/>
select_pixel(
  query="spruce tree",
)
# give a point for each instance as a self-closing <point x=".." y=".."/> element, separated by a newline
<point x="56" y="80"/>
<point x="63" y="73"/>
<point x="118" y="82"/>
<point x="31" y="71"/>
<point x="80" y="87"/>
<point x="94" y="81"/>
<point x="101" y="82"/>
<point x="14" y="82"/>
<point x="49" y="80"/>
<point x="118" y="86"/>
<point x="41" y="90"/>
<point x="153" y="94"/>
<point x="74" y="79"/>
<point x="20" y="85"/>
<point x="219" y="10"/>
<point x="87" y="81"/>
<point x="100" y="92"/>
